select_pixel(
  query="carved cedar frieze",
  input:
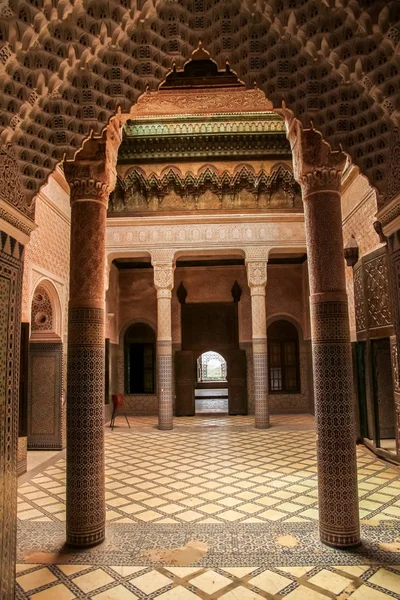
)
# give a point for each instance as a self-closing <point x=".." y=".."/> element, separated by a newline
<point x="208" y="190"/>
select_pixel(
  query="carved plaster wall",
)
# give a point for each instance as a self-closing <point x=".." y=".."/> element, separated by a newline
<point x="47" y="254"/>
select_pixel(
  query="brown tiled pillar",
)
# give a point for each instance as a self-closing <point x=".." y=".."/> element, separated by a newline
<point x="164" y="282"/>
<point x="257" y="280"/>
<point x="318" y="170"/>
<point x="91" y="178"/>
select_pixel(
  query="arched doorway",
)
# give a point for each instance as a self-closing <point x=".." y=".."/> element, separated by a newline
<point x="211" y="392"/>
<point x="45" y="418"/>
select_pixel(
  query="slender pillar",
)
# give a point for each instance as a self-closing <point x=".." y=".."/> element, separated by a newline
<point x="318" y="170"/>
<point x="257" y="280"/>
<point x="164" y="282"/>
<point x="91" y="177"/>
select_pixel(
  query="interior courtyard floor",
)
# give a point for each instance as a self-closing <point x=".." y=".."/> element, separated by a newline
<point x="214" y="509"/>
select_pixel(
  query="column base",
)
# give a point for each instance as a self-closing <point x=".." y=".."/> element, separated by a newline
<point x="79" y="539"/>
<point x="340" y="540"/>
<point x="165" y="427"/>
<point x="262" y="425"/>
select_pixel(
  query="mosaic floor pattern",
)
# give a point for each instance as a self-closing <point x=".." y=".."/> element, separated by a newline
<point x="215" y="510"/>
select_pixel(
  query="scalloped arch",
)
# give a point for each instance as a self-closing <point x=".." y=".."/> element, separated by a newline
<point x="315" y="57"/>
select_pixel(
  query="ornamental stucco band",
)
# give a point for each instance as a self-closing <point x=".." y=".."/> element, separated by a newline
<point x="164" y="282"/>
<point x="256" y="264"/>
<point x="86" y="332"/>
<point x="318" y="170"/>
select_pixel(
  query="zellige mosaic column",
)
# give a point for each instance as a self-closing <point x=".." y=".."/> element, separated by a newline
<point x="164" y="282"/>
<point x="257" y="280"/>
<point x="318" y="169"/>
<point x="91" y="177"/>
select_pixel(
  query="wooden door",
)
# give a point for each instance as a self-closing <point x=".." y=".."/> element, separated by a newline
<point x="184" y="383"/>
<point x="237" y="382"/>
<point x="383" y="390"/>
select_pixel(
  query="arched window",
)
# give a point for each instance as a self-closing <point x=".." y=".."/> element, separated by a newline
<point x="139" y="345"/>
<point x="211" y="368"/>
<point x="283" y="358"/>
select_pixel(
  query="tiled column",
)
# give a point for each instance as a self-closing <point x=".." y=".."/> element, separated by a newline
<point x="91" y="177"/>
<point x="257" y="280"/>
<point x="164" y="282"/>
<point x="318" y="170"/>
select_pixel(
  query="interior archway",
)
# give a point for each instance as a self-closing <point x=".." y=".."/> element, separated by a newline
<point x="45" y="418"/>
<point x="211" y="393"/>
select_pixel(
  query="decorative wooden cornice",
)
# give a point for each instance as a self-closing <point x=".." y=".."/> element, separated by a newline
<point x="190" y="187"/>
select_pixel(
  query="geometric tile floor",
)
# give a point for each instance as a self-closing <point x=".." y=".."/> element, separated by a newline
<point x="214" y="509"/>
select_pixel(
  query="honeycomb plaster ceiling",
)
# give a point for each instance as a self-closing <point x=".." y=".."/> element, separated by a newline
<point x="65" y="67"/>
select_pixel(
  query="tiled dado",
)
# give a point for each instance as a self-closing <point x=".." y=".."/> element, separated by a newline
<point x="68" y="581"/>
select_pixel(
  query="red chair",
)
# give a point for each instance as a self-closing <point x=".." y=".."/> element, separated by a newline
<point x="118" y="402"/>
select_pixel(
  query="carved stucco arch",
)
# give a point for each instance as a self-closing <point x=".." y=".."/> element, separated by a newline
<point x="56" y="306"/>
<point x="116" y="55"/>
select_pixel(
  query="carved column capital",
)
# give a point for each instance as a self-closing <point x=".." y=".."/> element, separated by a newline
<point x="316" y="166"/>
<point x="163" y="265"/>
<point x="163" y="280"/>
<point x="257" y="276"/>
<point x="91" y="174"/>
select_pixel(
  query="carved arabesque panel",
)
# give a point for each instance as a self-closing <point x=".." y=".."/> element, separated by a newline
<point x="361" y="322"/>
<point x="377" y="290"/>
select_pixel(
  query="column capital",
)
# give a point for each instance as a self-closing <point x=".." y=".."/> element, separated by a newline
<point x="316" y="166"/>
<point x="256" y="253"/>
<point x="163" y="279"/>
<point x="164" y="267"/>
<point x="163" y="256"/>
<point x="257" y="276"/>
<point x="91" y="174"/>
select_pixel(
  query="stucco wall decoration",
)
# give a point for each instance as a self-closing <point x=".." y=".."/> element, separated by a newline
<point x="334" y="63"/>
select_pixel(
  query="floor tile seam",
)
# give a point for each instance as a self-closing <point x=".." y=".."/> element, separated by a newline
<point x="49" y="494"/>
<point x="134" y="516"/>
<point x="201" y="484"/>
<point x="376" y="457"/>
<point x="185" y="581"/>
<point x="44" y="514"/>
<point x="60" y="482"/>
<point x="354" y="579"/>
<point x="77" y="591"/>
<point x="40" y="468"/>
<point x="38" y="506"/>
<point x="386" y="591"/>
<point x="387" y="504"/>
<point x="68" y="580"/>
<point x="374" y="568"/>
<point x="127" y="580"/>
